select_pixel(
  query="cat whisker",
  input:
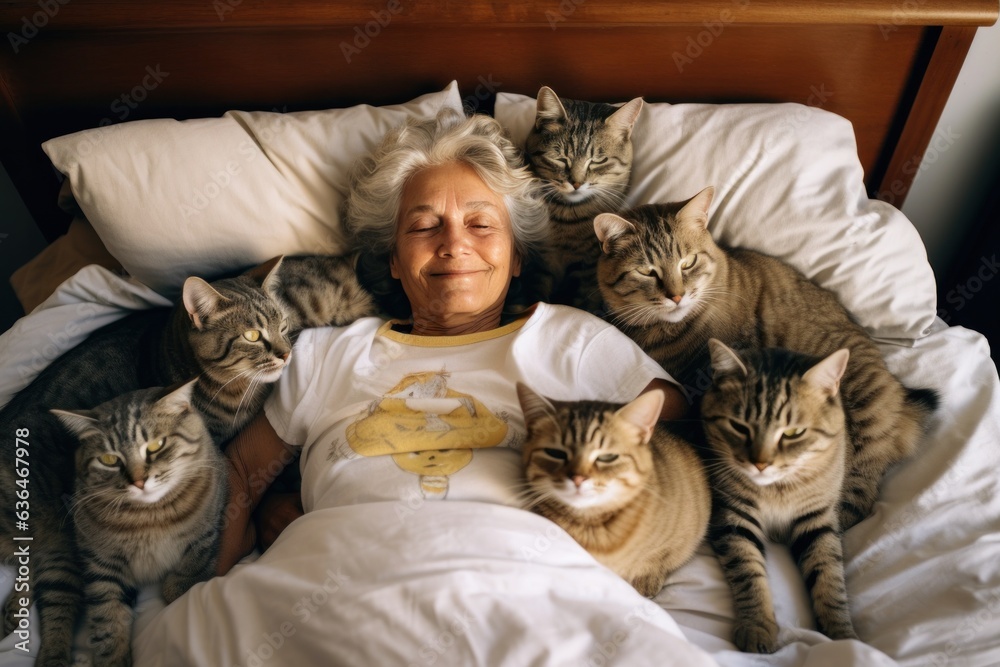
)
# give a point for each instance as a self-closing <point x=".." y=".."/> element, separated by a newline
<point x="254" y="381"/>
<point x="636" y="314"/>
<point x="233" y="379"/>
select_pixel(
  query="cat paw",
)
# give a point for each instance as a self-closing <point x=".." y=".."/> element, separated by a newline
<point x="648" y="585"/>
<point x="109" y="652"/>
<point x="760" y="636"/>
<point x="849" y="517"/>
<point x="838" y="630"/>
<point x="175" y="586"/>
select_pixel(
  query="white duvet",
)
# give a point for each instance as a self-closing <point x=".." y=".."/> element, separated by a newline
<point x="464" y="583"/>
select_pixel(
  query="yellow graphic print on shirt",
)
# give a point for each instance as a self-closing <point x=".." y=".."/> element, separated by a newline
<point x="427" y="428"/>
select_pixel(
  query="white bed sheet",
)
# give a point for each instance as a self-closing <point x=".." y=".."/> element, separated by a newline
<point x="475" y="584"/>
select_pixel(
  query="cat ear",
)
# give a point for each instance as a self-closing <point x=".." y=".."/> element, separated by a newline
<point x="644" y="412"/>
<point x="625" y="117"/>
<point x="724" y="359"/>
<point x="177" y="401"/>
<point x="200" y="300"/>
<point x="826" y="374"/>
<point x="695" y="210"/>
<point x="266" y="274"/>
<point x="608" y="227"/>
<point x="77" y="422"/>
<point x="548" y="108"/>
<point x="534" y="406"/>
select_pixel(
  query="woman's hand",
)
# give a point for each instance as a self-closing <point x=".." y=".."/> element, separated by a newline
<point x="255" y="456"/>
<point x="274" y="513"/>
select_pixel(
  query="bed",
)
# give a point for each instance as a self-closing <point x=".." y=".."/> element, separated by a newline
<point x="809" y="118"/>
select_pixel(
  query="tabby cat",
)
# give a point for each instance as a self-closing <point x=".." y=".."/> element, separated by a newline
<point x="147" y="506"/>
<point x="670" y="287"/>
<point x="322" y="291"/>
<point x="233" y="334"/>
<point x="614" y="479"/>
<point x="582" y="153"/>
<point x="777" y="443"/>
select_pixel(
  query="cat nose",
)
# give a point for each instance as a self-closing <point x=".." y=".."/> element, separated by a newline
<point x="284" y="357"/>
<point x="761" y="465"/>
<point x="677" y="299"/>
<point x="139" y="483"/>
<point x="576" y="185"/>
<point x="579" y="480"/>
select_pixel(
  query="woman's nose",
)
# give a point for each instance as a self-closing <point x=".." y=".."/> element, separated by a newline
<point x="454" y="239"/>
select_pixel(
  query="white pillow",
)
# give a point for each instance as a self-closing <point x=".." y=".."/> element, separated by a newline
<point x="788" y="182"/>
<point x="172" y="198"/>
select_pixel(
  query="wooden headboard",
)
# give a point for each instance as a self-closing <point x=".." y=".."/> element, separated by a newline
<point x="888" y="66"/>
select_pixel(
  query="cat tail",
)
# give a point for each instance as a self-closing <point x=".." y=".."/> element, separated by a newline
<point x="924" y="401"/>
<point x="918" y="406"/>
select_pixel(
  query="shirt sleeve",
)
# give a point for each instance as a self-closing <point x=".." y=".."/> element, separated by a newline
<point x="289" y="407"/>
<point x="614" y="360"/>
<point x="575" y="355"/>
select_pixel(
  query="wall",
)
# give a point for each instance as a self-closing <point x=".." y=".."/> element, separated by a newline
<point x="961" y="166"/>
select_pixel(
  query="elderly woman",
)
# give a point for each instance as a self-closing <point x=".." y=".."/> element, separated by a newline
<point x="410" y="434"/>
<point x="446" y="213"/>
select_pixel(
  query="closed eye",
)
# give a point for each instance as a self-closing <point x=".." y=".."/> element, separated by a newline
<point x="607" y="458"/>
<point x="647" y="271"/>
<point x="599" y="160"/>
<point x="792" y="433"/>
<point x="557" y="454"/>
<point x="740" y="428"/>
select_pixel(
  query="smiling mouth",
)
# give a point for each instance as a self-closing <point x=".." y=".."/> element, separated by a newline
<point x="456" y="274"/>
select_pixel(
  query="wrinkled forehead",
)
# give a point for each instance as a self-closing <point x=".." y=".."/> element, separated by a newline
<point x="453" y="184"/>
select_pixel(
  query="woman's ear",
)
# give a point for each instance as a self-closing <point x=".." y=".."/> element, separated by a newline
<point x="392" y="265"/>
<point x="515" y="265"/>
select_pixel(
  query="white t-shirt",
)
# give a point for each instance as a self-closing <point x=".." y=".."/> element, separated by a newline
<point x="387" y="416"/>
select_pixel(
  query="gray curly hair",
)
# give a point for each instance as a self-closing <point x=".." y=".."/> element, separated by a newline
<point x="378" y="180"/>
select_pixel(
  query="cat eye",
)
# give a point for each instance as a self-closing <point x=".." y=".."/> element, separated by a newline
<point x="108" y="459"/>
<point x="792" y="432"/>
<point x="599" y="160"/>
<point x="647" y="271"/>
<point x="556" y="453"/>
<point x="607" y="458"/>
<point x="688" y="262"/>
<point x="740" y="428"/>
<point x="155" y="445"/>
<point x="252" y="335"/>
<point x="284" y="326"/>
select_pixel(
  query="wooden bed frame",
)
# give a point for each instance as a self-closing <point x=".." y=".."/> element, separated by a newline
<point x="68" y="65"/>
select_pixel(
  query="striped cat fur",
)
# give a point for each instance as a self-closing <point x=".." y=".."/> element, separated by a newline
<point x="670" y="287"/>
<point x="147" y="507"/>
<point x="582" y="154"/>
<point x="777" y="454"/>
<point x="233" y="334"/>
<point x="613" y="478"/>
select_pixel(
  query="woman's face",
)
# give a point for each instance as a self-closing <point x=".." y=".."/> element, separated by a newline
<point x="454" y="245"/>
